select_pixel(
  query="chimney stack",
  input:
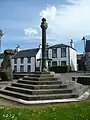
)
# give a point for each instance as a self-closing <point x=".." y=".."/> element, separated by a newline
<point x="18" y="48"/>
<point x="72" y="43"/>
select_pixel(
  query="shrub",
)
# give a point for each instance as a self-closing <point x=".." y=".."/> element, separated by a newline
<point x="37" y="69"/>
<point x="60" y="69"/>
<point x="84" y="80"/>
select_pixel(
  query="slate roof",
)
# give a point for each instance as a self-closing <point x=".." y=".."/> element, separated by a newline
<point x="27" y="53"/>
<point x="33" y="52"/>
<point x="87" y="49"/>
<point x="60" y="45"/>
<point x="24" y="53"/>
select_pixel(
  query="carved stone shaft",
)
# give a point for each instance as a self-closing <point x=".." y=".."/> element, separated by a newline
<point x="44" y="27"/>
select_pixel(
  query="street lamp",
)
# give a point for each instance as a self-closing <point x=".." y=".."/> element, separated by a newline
<point x="84" y="39"/>
<point x="1" y="34"/>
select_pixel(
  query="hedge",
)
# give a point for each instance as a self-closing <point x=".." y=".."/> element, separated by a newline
<point x="60" y="69"/>
<point x="84" y="80"/>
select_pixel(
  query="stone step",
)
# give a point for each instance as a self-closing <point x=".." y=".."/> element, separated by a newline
<point x="14" y="94"/>
<point x="40" y="75"/>
<point x="38" y="97"/>
<point x="52" y="86"/>
<point x="38" y="82"/>
<point x="39" y="78"/>
<point x="22" y="85"/>
<point x="39" y="92"/>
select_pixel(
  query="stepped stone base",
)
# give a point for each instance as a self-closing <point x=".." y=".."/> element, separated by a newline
<point x="41" y="87"/>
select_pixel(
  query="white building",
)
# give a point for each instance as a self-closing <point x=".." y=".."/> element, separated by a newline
<point x="24" y="60"/>
<point x="60" y="54"/>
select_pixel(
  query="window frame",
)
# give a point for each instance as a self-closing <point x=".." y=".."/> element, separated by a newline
<point x="28" y="69"/>
<point x="15" y="60"/>
<point x="22" y="67"/>
<point x="63" y="62"/>
<point x="29" y="60"/>
<point x="16" y="68"/>
<point x="63" y="53"/>
<point x="54" y="52"/>
<point x="54" y="62"/>
<point x="22" y="60"/>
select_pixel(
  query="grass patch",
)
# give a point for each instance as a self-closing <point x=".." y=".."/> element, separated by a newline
<point x="89" y="86"/>
<point x="71" y="111"/>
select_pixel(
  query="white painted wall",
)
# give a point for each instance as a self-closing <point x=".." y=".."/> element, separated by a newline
<point x="33" y="64"/>
<point x="1" y="61"/>
<point x="50" y="53"/>
<point x="38" y="56"/>
<point x="18" y="64"/>
<point x="59" y="58"/>
<point x="12" y="62"/>
<point x="25" y="64"/>
<point x="73" y="59"/>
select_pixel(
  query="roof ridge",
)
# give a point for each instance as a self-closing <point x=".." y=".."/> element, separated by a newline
<point x="29" y="49"/>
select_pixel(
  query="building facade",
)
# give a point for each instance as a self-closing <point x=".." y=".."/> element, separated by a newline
<point x="83" y="59"/>
<point x="60" y="54"/>
<point x="24" y="60"/>
<point x="87" y="55"/>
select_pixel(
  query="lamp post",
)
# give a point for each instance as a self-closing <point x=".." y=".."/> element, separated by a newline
<point x="84" y="39"/>
<point x="1" y="34"/>
<point x="43" y="26"/>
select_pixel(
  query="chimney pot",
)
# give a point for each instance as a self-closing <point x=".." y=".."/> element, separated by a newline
<point x="72" y="43"/>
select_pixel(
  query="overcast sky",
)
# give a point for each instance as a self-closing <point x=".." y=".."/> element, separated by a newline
<point x="67" y="19"/>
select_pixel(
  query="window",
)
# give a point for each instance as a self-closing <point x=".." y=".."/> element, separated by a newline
<point x="29" y="60"/>
<point x="15" y="68"/>
<point x="63" y="63"/>
<point x="15" y="60"/>
<point x="21" y="68"/>
<point x="54" y="53"/>
<point x="22" y="60"/>
<point x="63" y="52"/>
<point x="54" y="63"/>
<point x="28" y="68"/>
